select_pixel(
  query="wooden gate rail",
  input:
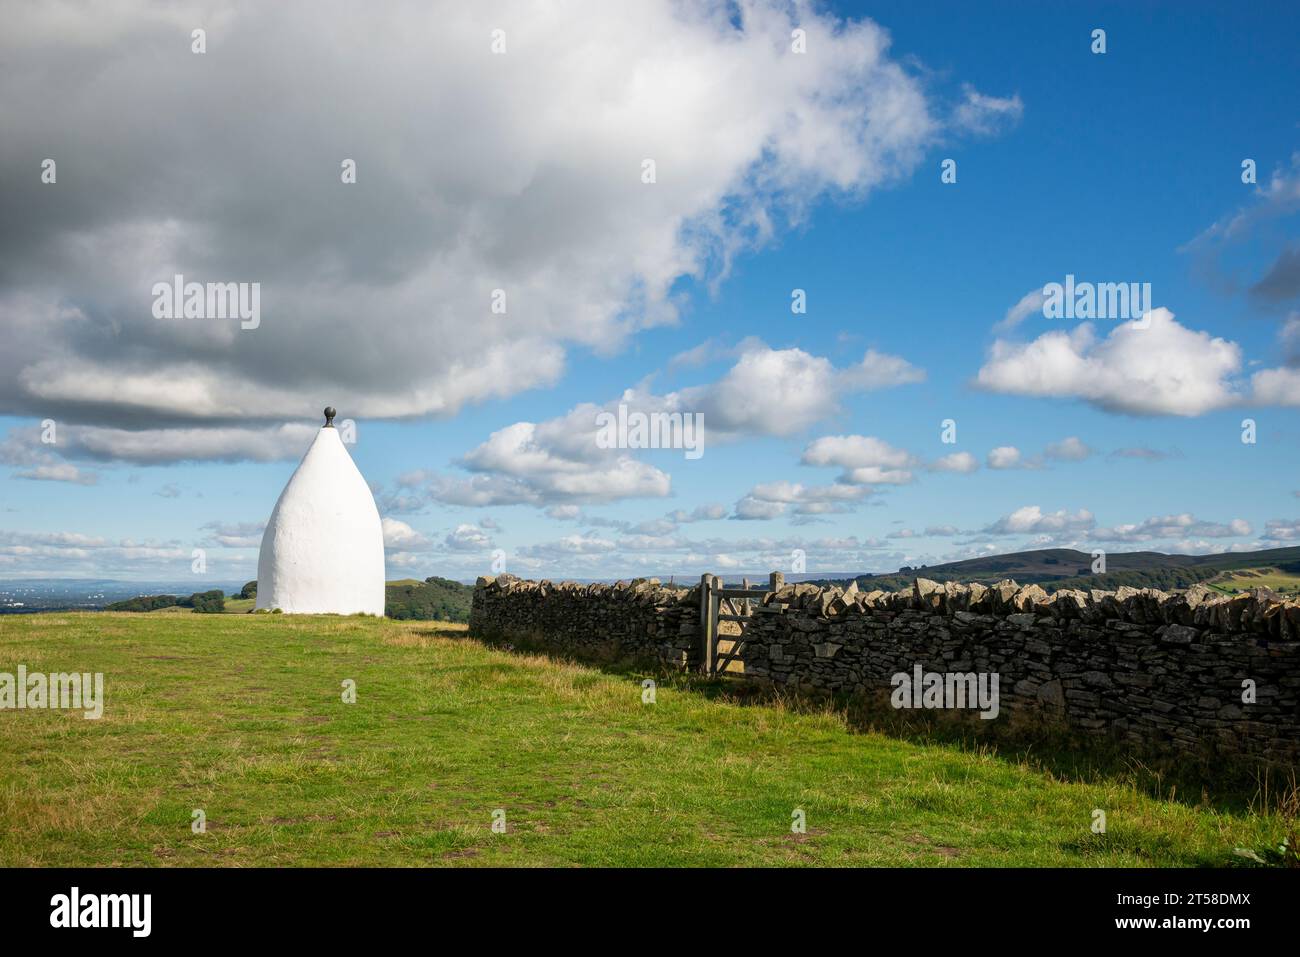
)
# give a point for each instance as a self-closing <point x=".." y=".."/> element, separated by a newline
<point x="738" y="604"/>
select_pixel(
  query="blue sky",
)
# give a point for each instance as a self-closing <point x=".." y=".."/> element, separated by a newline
<point x="1115" y="167"/>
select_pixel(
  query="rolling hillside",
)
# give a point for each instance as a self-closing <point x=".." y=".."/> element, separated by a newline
<point x="1053" y="568"/>
<point x="434" y="599"/>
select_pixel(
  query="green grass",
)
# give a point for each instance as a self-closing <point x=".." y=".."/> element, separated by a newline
<point x="1280" y="581"/>
<point x="233" y="606"/>
<point x="242" y="717"/>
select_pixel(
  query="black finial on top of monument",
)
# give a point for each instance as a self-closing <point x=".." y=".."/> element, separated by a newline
<point x="329" y="417"/>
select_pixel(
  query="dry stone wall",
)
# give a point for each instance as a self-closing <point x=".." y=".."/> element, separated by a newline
<point x="639" y="619"/>
<point x="1165" y="670"/>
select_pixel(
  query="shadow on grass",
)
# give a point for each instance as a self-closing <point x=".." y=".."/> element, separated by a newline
<point x="1208" y="780"/>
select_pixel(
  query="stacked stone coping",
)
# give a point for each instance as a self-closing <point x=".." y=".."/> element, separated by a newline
<point x="1258" y="612"/>
<point x="1154" y="667"/>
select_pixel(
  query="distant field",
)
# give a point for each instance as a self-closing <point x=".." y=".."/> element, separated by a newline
<point x="1281" y="582"/>
<point x="242" y="716"/>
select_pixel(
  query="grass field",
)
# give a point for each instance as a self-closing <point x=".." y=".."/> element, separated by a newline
<point x="1284" y="583"/>
<point x="233" y="606"/>
<point x="243" y="717"/>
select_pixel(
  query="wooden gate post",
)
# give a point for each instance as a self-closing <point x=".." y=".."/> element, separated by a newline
<point x="708" y="649"/>
<point x="715" y="609"/>
<point x="777" y="581"/>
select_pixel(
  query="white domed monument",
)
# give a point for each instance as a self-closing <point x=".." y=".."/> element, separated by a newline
<point x="323" y="548"/>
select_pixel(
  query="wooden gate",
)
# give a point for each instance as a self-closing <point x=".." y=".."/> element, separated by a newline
<point x="722" y="652"/>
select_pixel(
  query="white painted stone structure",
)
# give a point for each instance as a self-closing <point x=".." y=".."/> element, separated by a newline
<point x="323" y="548"/>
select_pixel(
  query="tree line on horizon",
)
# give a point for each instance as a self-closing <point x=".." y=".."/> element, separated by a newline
<point x="434" y="599"/>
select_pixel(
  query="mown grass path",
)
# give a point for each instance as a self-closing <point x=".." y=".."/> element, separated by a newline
<point x="242" y="717"/>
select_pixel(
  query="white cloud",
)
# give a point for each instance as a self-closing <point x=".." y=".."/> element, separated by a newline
<point x="533" y="464"/>
<point x="941" y="531"/>
<point x="1031" y="519"/>
<point x="468" y="538"/>
<point x="1163" y="369"/>
<point x="781" y="391"/>
<point x="1070" y="449"/>
<point x="59" y="472"/>
<point x="1063" y="526"/>
<point x="865" y="459"/>
<point x="962" y="462"/>
<point x="1173" y="526"/>
<point x="770" y="500"/>
<point x="559" y="461"/>
<point x="1029" y="304"/>
<point x="398" y="503"/>
<point x="1276" y="386"/>
<point x="404" y="560"/>
<point x="1004" y="457"/>
<point x="74" y="553"/>
<point x="236" y="534"/>
<point x="984" y="115"/>
<point x="708" y="351"/>
<point x="753" y="509"/>
<point x="571" y="545"/>
<point x="398" y="535"/>
<point x="879" y="370"/>
<point x="648" y="543"/>
<point x="1279" y="196"/>
<point x="790" y="492"/>
<point x="701" y="513"/>
<point x="1282" y="530"/>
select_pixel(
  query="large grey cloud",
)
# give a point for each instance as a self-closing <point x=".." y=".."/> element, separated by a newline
<point x="1282" y="281"/>
<point x="475" y="172"/>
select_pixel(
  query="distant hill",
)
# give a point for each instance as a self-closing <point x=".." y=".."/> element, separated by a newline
<point x="1055" y="568"/>
<point x="27" y="595"/>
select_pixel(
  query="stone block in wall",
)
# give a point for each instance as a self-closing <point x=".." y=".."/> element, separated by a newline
<point x="1004" y="596"/>
<point x="926" y="593"/>
<point x="1177" y="634"/>
<point x="1069" y="603"/>
<point x="1028" y="598"/>
<point x="872" y="600"/>
<point x="1051" y="696"/>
